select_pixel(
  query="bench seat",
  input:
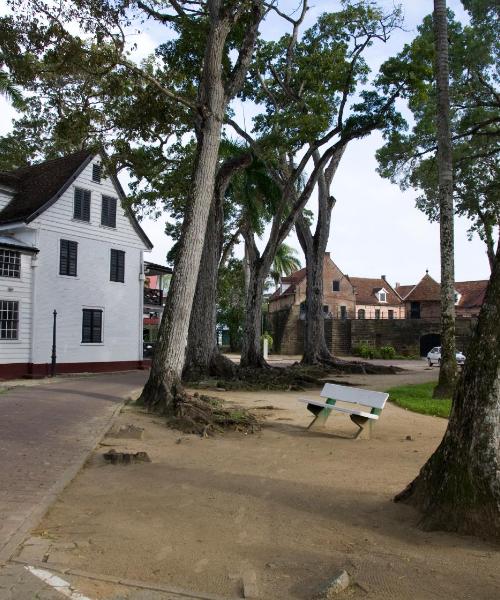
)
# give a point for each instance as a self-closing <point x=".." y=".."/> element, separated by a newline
<point x="349" y="411"/>
<point x="360" y="398"/>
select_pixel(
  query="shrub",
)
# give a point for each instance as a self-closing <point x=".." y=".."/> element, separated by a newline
<point x="267" y="336"/>
<point x="364" y="351"/>
<point x="387" y="352"/>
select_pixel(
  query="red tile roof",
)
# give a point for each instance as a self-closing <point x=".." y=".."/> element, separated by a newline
<point x="404" y="290"/>
<point x="472" y="293"/>
<point x="365" y="289"/>
<point x="292" y="281"/>
<point x="426" y="290"/>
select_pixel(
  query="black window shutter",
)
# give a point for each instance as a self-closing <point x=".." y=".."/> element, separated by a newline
<point x="108" y="211"/>
<point x="81" y="207"/>
<point x="77" y="210"/>
<point x="86" y="205"/>
<point x="97" y="326"/>
<point x="96" y="172"/>
<point x="68" y="258"/>
<point x="91" y="326"/>
<point x="87" y="326"/>
<point x="112" y="270"/>
<point x="117" y="266"/>
<point x="63" y="258"/>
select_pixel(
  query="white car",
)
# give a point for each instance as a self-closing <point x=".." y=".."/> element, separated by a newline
<point x="434" y="357"/>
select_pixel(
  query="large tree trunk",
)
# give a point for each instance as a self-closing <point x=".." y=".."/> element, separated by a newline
<point x="251" y="351"/>
<point x="163" y="385"/>
<point x="448" y="370"/>
<point x="163" y="388"/>
<point x="202" y="354"/>
<point x="315" y="348"/>
<point x="458" y="489"/>
<point x="314" y="246"/>
<point x="202" y="338"/>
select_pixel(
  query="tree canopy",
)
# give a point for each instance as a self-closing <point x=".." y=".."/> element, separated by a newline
<point x="409" y="154"/>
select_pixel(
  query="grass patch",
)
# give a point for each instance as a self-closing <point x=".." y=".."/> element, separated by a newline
<point x="418" y="398"/>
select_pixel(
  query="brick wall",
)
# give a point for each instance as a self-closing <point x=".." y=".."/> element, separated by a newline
<point x="405" y="335"/>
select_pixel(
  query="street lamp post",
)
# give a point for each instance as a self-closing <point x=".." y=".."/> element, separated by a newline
<point x="54" y="356"/>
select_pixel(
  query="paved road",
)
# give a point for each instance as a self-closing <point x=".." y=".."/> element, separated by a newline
<point x="46" y="431"/>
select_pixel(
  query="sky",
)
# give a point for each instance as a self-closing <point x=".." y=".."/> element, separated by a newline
<point x="376" y="229"/>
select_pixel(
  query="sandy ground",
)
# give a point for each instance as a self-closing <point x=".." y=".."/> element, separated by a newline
<point x="284" y="509"/>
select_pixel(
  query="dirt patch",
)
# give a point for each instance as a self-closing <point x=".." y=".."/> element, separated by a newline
<point x="284" y="509"/>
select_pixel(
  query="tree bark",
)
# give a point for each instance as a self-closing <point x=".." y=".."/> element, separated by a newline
<point x="202" y="353"/>
<point x="163" y="388"/>
<point x="448" y="370"/>
<point x="314" y="246"/>
<point x="458" y="489"/>
<point x="255" y="277"/>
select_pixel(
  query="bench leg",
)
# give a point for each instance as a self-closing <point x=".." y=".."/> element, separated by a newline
<point x="320" y="414"/>
<point x="360" y="422"/>
<point x="320" y="419"/>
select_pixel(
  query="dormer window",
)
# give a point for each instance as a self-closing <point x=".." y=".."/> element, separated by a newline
<point x="96" y="172"/>
<point x="382" y="296"/>
<point x="458" y="296"/>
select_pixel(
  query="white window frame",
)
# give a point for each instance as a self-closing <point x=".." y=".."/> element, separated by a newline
<point x="18" y="321"/>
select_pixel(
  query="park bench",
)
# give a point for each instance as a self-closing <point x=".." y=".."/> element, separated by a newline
<point x="375" y="401"/>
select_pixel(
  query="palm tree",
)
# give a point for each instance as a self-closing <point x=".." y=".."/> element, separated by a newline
<point x="9" y="91"/>
<point x="285" y="263"/>
<point x="447" y="373"/>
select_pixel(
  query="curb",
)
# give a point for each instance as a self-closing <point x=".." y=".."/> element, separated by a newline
<point x="156" y="587"/>
<point x="8" y="550"/>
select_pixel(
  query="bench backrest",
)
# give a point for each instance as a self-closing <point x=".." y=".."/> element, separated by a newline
<point x="354" y="395"/>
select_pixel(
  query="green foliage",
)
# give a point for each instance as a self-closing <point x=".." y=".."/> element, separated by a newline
<point x="306" y="88"/>
<point x="366" y="351"/>
<point x="409" y="154"/>
<point x="231" y="301"/>
<point x="285" y="262"/>
<point x="387" y="352"/>
<point x="267" y="336"/>
<point x="418" y="398"/>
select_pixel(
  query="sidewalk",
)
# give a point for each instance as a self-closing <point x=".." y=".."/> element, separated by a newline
<point x="46" y="434"/>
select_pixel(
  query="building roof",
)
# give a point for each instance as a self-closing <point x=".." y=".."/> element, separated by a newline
<point x="426" y="290"/>
<point x="472" y="293"/>
<point x="13" y="244"/>
<point x="291" y="282"/>
<point x="365" y="289"/>
<point x="155" y="269"/>
<point x="404" y="290"/>
<point x="38" y="186"/>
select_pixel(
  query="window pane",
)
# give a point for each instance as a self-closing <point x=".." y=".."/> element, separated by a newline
<point x="9" y="319"/>
<point x="10" y="263"/>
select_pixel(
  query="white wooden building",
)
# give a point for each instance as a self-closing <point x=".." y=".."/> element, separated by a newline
<point x="68" y="245"/>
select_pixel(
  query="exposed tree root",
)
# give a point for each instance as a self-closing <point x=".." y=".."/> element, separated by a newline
<point x="337" y="365"/>
<point x="218" y="366"/>
<point x="205" y="415"/>
<point x="227" y="375"/>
